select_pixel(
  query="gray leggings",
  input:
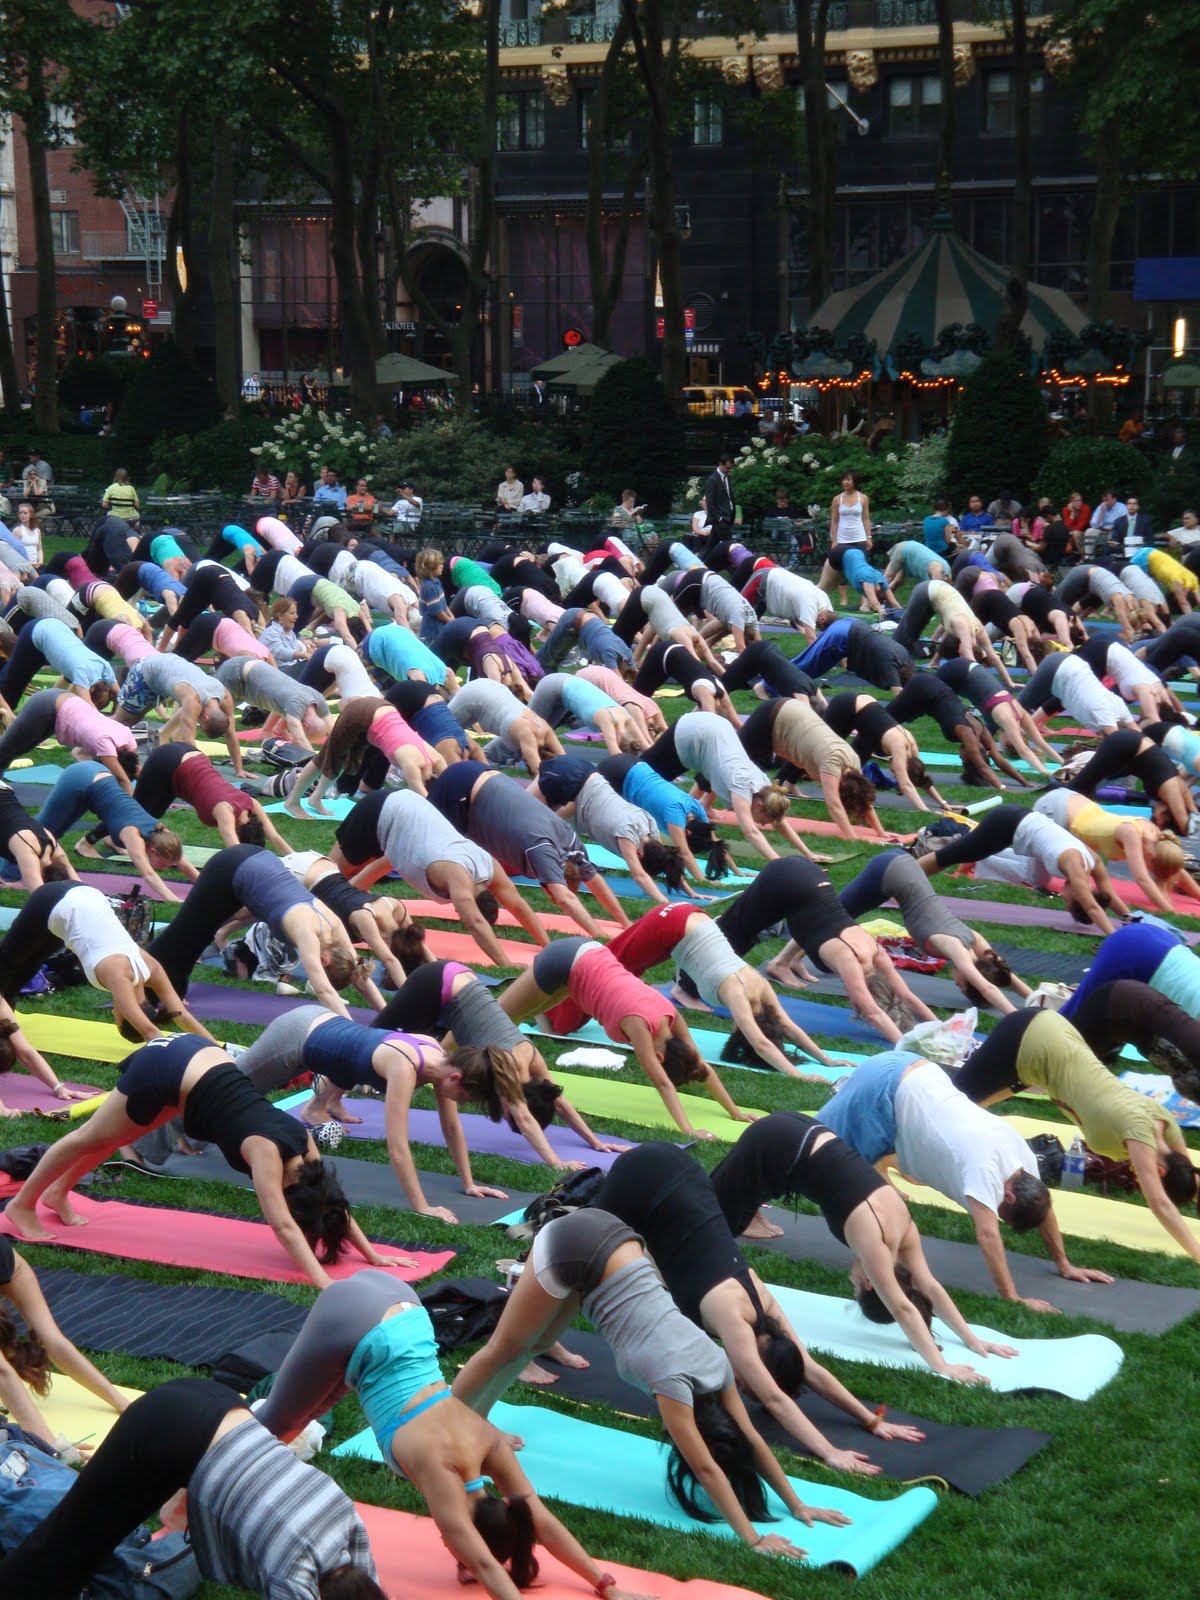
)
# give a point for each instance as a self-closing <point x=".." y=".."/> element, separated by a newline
<point x="552" y="965"/>
<point x="312" y="1378"/>
<point x="474" y="1018"/>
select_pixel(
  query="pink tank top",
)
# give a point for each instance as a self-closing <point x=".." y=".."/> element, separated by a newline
<point x="128" y="642"/>
<point x="388" y="731"/>
<point x="231" y="639"/>
<point x="603" y="988"/>
<point x="616" y="688"/>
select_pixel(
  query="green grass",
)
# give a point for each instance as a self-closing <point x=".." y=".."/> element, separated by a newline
<point x="1122" y="1462"/>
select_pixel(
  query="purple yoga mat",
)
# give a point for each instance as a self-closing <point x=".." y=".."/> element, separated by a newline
<point x="20" y="1092"/>
<point x="484" y="1137"/>
<point x="1014" y="916"/>
<point x="217" y="1002"/>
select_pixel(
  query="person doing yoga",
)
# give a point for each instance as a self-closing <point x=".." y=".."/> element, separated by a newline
<point x="979" y="972"/>
<point x="16" y="1051"/>
<point x="76" y="725"/>
<point x="898" y="1109"/>
<point x="629" y="1011"/>
<point x="446" y="998"/>
<point x="925" y="695"/>
<point x="1033" y="849"/>
<point x="86" y="786"/>
<point x="30" y="849"/>
<point x="1129" y="1012"/>
<point x="382" y="922"/>
<point x="396" y="830"/>
<point x="372" y="1335"/>
<point x="1002" y="712"/>
<point x="680" y="816"/>
<point x="800" y="895"/>
<point x="1132" y="752"/>
<point x="1066" y="683"/>
<point x="1155" y="859"/>
<point x="1042" y="1050"/>
<point x="519" y="732"/>
<point x="874" y="735"/>
<point x="77" y="916"/>
<point x="257" y="1518"/>
<point x="181" y="772"/>
<point x="299" y="1195"/>
<point x="668" y="663"/>
<point x="665" y="1195"/>
<point x="592" y="1262"/>
<point x="365" y="721"/>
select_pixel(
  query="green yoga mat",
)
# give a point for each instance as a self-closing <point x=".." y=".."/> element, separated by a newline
<point x="624" y="1473"/>
<point x="639" y="1103"/>
<point x="1075" y="1367"/>
<point x="709" y="1042"/>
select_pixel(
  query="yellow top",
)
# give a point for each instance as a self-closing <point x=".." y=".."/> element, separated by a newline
<point x="1054" y="1057"/>
<point x="1097" y="828"/>
<point x="1165" y="569"/>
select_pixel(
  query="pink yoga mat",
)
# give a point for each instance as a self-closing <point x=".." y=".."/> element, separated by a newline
<point x="20" y="1092"/>
<point x="809" y="825"/>
<point x="1134" y="895"/>
<point x="213" y="1244"/>
<point x="435" y="910"/>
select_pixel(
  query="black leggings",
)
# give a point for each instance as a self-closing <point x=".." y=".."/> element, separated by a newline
<point x="24" y="662"/>
<point x="631" y="618"/>
<point x="994" y="832"/>
<point x="150" y="1453"/>
<point x="1118" y="754"/>
<point x="1181" y="639"/>
<point x="918" y="614"/>
<point x="33" y="723"/>
<point x="660" y="561"/>
<point x="29" y="942"/>
<point x="211" y="902"/>
<point x="663" y="756"/>
<point x="992" y="1068"/>
<point x="765" y="660"/>
<point x="789" y="890"/>
<point x="667" y="662"/>
<point x="197" y="638"/>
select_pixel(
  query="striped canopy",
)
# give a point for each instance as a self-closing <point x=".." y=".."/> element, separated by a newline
<point x="943" y="282"/>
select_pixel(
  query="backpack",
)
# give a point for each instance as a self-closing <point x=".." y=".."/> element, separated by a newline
<point x="32" y="1482"/>
<point x="1049" y="1154"/>
<point x="573" y="1192"/>
<point x="463" y="1310"/>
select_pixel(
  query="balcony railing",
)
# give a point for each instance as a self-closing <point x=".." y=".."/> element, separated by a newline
<point x="515" y="34"/>
<point x="837" y="16"/>
<point x="591" y="30"/>
<point x="117" y="246"/>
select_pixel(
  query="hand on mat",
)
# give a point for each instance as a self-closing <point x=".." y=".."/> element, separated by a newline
<point x="1074" y="1274"/>
<point x="607" y="1147"/>
<point x="482" y="1191"/>
<point x="774" y="1544"/>
<point x="703" y="1133"/>
<point x="962" y="1374"/>
<point x="63" y="1092"/>
<point x="984" y="1348"/>
<point x="898" y="1433"/>
<point x="442" y="1213"/>
<point x="1043" y="1306"/>
<point x="852" y="1461"/>
<point x="810" y="1514"/>
<point x="376" y="1260"/>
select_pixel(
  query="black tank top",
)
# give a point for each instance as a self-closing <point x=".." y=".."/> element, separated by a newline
<point x="342" y="898"/>
<point x="771" y="1161"/>
<point x="8" y="1260"/>
<point x="225" y="1109"/>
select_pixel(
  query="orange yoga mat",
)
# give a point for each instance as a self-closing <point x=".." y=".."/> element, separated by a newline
<point x="1134" y="895"/>
<point x="414" y="1564"/>
<point x="448" y="946"/>
<point x="434" y="910"/>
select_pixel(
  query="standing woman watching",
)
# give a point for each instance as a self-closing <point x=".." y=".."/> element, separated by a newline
<point x="29" y="531"/>
<point x="849" y="524"/>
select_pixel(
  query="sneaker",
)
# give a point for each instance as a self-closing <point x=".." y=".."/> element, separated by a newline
<point x="285" y="988"/>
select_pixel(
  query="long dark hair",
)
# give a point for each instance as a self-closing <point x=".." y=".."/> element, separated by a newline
<point x="506" y="1527"/>
<point x="732" y="1452"/>
<point x="782" y="1356"/>
<point x="542" y="1097"/>
<point x="702" y="840"/>
<point x="407" y="944"/>
<point x="26" y="1356"/>
<point x="663" y="861"/>
<point x="319" y="1208"/>
<point x="872" y="1306"/>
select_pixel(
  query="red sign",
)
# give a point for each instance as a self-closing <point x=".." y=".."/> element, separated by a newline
<point x="689" y="319"/>
<point x="571" y="337"/>
<point x="149" y="309"/>
<point x="518" y="327"/>
<point x="660" y="327"/>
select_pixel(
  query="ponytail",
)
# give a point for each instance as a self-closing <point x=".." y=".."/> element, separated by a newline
<point x="506" y="1527"/>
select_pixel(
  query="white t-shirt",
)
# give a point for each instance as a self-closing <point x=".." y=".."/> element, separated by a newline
<point x="946" y="1141"/>
<point x="568" y="571"/>
<point x="1086" y="699"/>
<point x="408" y="510"/>
<point x="610" y="591"/>
<point x="345" y="667"/>
<point x="1045" y="840"/>
<point x="88" y="926"/>
<point x="788" y="595"/>
<point x="1126" y="670"/>
<point x="289" y="572"/>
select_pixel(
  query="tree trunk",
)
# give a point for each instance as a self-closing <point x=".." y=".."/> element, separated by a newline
<point x="179" y="238"/>
<point x="343" y="247"/>
<point x="37" y="121"/>
<point x="10" y="381"/>
<point x="222" y="256"/>
<point x="949" y="123"/>
<point x="368" y="252"/>
<point x="1105" y="216"/>
<point x="1016" y="293"/>
<point x="606" y="277"/>
<point x="812" y="24"/>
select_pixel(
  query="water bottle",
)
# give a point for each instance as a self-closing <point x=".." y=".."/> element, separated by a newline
<point x="1074" y="1165"/>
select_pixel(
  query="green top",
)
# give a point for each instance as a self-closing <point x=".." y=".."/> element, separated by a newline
<point x="122" y="500"/>
<point x="1054" y="1057"/>
<point x="467" y="573"/>
<point x="329" y="596"/>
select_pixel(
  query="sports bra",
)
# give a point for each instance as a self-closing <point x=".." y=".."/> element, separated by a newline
<point x="343" y="1051"/>
<point x="224" y="1108"/>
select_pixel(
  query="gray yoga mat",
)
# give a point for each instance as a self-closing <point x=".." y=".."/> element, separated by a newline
<point x="933" y="989"/>
<point x="1125" y="1306"/>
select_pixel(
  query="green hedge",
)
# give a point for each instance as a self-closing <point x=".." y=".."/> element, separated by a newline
<point x="217" y="458"/>
<point x="999" y="437"/>
<point x="634" y="437"/>
<point x="1091" y="466"/>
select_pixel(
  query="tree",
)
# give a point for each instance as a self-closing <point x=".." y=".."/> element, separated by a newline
<point x="634" y="436"/>
<point x="610" y="115"/>
<point x="1000" y="432"/>
<point x="1016" y="290"/>
<point x="812" y="25"/>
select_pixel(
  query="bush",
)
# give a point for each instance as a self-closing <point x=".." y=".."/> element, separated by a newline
<point x="167" y="394"/>
<point x="999" y="438"/>
<point x="921" y="479"/>
<point x="1091" y="466"/>
<point x="633" y="437"/>
<point x="218" y="458"/>
<point x="304" y="440"/>
<point x="1176" y="489"/>
<point x="94" y="383"/>
<point x="811" y="472"/>
<point x="460" y="458"/>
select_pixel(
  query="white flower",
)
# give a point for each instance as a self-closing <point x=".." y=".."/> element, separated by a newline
<point x="744" y="451"/>
<point x="759" y="443"/>
<point x="891" y="456"/>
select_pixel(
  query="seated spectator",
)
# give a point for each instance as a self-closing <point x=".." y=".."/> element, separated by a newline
<point x="1109" y="512"/>
<point x="408" y="506"/>
<point x="628" y="514"/>
<point x="1132" y="531"/>
<point x="537" y="502"/>
<point x="939" y="529"/>
<point x="361" y="507"/>
<point x="975" y="518"/>
<point x="510" y="491"/>
<point x="330" y="492"/>
<point x="265" y="485"/>
<point x="1076" y="514"/>
<point x="1004" y="508"/>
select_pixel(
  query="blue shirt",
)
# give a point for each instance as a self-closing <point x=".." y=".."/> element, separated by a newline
<point x="239" y="538"/>
<point x="398" y="651"/>
<point x="156" y="582"/>
<point x="1135" y="951"/>
<point x="933" y="531"/>
<point x="826" y="650"/>
<point x="666" y="803"/>
<point x="863" y="1111"/>
<point x="66" y="654"/>
<point x="331" y="494"/>
<point x="973" y="521"/>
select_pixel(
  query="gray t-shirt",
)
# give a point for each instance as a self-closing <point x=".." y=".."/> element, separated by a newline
<point x="661" y="611"/>
<point x="528" y="838"/>
<point x="488" y="607"/>
<point x="924" y="914"/>
<point x="488" y="703"/>
<point x="604" y="816"/>
<point x="414" y="834"/>
<point x="547" y="700"/>
<point x="655" y="1347"/>
<point x="160" y="673"/>
<point x="268" y="689"/>
<point x="708" y="958"/>
<point x="708" y="744"/>
<point x="724" y="602"/>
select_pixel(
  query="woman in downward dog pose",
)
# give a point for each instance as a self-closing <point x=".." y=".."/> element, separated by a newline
<point x="299" y="1195"/>
<point x="365" y="722"/>
<point x="590" y="1261"/>
<point x="372" y="1335"/>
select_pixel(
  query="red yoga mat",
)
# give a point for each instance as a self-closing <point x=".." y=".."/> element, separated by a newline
<point x="434" y="910"/>
<point x="1134" y="895"/>
<point x="20" y="1092"/>
<point x="413" y="1564"/>
<point x="230" y="1245"/>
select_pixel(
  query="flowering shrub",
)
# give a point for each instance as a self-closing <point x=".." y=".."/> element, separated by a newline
<point x="311" y="438"/>
<point x="811" y="469"/>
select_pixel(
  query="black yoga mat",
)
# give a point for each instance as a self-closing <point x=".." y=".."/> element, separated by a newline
<point x="367" y="1183"/>
<point x="930" y="987"/>
<point x="1063" y="966"/>
<point x="967" y="1459"/>
<point x="1128" y="1307"/>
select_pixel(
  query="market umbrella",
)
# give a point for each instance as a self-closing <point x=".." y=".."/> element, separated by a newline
<point x="1181" y="376"/>
<point x="943" y="283"/>
<point x="395" y="371"/>
<point x="566" y="359"/>
<point x="584" y="377"/>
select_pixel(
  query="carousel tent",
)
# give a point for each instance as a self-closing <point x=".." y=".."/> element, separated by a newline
<point x="943" y="283"/>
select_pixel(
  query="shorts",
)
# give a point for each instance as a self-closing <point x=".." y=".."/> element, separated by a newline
<point x="570" y="1253"/>
<point x="152" y="1078"/>
<point x="436" y="723"/>
<point x="357" y="835"/>
<point x="552" y="965"/>
<point x="1003" y="698"/>
<point x="133" y="695"/>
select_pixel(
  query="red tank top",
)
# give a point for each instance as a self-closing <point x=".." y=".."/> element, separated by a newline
<point x="198" y="782"/>
<point x="649" y="940"/>
<point x="606" y="991"/>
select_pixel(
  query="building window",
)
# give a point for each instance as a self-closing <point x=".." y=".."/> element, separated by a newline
<point x="836" y="98"/>
<point x="62" y="125"/>
<point x="914" y="107"/>
<point x="585" y="100"/>
<point x="65" y="227"/>
<point x="999" y="106"/>
<point x="521" y="123"/>
<point x="708" y="122"/>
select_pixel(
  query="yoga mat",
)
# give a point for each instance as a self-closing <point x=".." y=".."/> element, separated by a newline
<point x="1126" y="1306"/>
<point x="412" y="1562"/>
<point x="72" y="1037"/>
<point x="44" y="777"/>
<point x="442" y="910"/>
<point x="967" y="1459"/>
<point x="1061" y="965"/>
<point x="836" y="1022"/>
<point x="1010" y="915"/>
<point x="1157" y="1086"/>
<point x="366" y="1183"/>
<point x="709" y="1042"/>
<point x="20" y="1092"/>
<point x="484" y="1137"/>
<point x="1076" y="1367"/>
<point x="1134" y="895"/>
<point x="232" y="1245"/>
<point x="338" y="806"/>
<point x="72" y="1410"/>
<point x="222" y="1002"/>
<point x="587" y="1465"/>
<point x="927" y="986"/>
<point x="640" y="1104"/>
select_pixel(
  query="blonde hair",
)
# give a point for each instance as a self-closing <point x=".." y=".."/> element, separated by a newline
<point x="774" y="801"/>
<point x="429" y="562"/>
<point x="1166" y="859"/>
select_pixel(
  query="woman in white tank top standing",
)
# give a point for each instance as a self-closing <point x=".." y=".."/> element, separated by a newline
<point x="849" y="523"/>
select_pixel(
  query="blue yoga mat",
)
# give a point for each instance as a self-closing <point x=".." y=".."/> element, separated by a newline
<point x="339" y="807"/>
<point x="589" y="1465"/>
<point x="47" y="776"/>
<point x="709" y="1041"/>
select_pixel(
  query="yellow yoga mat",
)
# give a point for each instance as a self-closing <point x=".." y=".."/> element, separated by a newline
<point x="73" y="1411"/>
<point x="638" y="1102"/>
<point x="1084" y="1216"/>
<point x="71" y="1036"/>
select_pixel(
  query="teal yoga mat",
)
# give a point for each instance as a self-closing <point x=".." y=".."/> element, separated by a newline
<point x="1076" y="1367"/>
<point x="943" y="758"/>
<point x="709" y="1042"/>
<point x="47" y="776"/>
<point x="339" y="807"/>
<point x="624" y="1473"/>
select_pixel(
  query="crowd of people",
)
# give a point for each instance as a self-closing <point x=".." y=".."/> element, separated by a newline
<point x="450" y="702"/>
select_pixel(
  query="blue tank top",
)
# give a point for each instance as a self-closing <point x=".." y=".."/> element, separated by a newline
<point x="665" y="803"/>
<point x="117" y="809"/>
<point x="239" y="538"/>
<point x="863" y="1111"/>
<point x="267" y="888"/>
<point x="390" y="1364"/>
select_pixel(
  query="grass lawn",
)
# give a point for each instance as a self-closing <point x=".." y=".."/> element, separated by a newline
<point x="1119" y="1463"/>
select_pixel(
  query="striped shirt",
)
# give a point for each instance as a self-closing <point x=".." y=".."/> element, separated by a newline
<point x="261" y="1520"/>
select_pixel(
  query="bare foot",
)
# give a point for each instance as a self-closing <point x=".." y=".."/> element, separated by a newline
<point x="339" y="1111"/>
<point x="24" y="1223"/>
<point x="760" y="1228"/>
<point x="64" y="1211"/>
<point x="692" y="1001"/>
<point x="295" y="810"/>
<point x="87" y="850"/>
<point x="565" y="1358"/>
<point x="535" y="1374"/>
<point x="7" y="1111"/>
<point x="787" y="976"/>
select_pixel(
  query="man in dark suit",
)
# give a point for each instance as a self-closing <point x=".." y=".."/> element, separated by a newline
<point x="718" y="501"/>
<point x="1130" y="532"/>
